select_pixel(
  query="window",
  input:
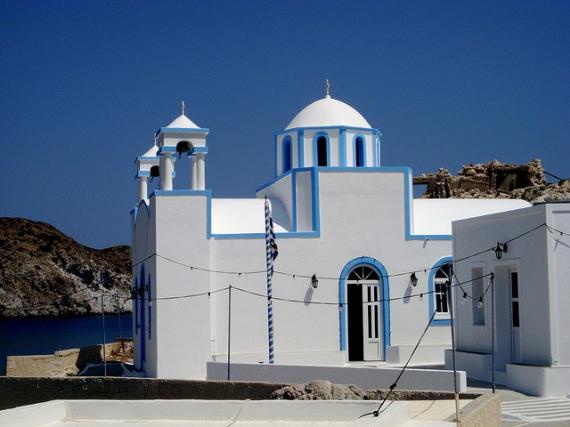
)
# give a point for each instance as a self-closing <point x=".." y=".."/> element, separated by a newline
<point x="515" y="299"/>
<point x="477" y="300"/>
<point x="359" y="152"/>
<point x="322" y="151"/>
<point x="149" y="307"/>
<point x="440" y="291"/>
<point x="287" y="155"/>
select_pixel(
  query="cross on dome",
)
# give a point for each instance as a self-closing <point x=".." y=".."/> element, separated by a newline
<point x="327" y="89"/>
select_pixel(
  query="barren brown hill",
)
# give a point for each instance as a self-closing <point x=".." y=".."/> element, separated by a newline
<point x="45" y="272"/>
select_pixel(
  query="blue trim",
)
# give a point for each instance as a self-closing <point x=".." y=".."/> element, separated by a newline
<point x="286" y="235"/>
<point x="406" y="171"/>
<point x="342" y="147"/>
<point x="378" y="151"/>
<point x="374" y="151"/>
<point x="136" y="209"/>
<point x="197" y="150"/>
<point x="301" y="148"/>
<point x="166" y="149"/>
<point x="316" y="203"/>
<point x="355" y="149"/>
<point x="275" y="156"/>
<point x="316" y="151"/>
<point x="381" y="270"/>
<point x="142" y="173"/>
<point x="431" y="289"/>
<point x="166" y="130"/>
<point x="294" y="202"/>
<point x="147" y="158"/>
<point x="286" y="154"/>
<point x="408" y="195"/>
<point x="375" y="130"/>
<point x="277" y="179"/>
<point x="142" y="304"/>
<point x="175" y="193"/>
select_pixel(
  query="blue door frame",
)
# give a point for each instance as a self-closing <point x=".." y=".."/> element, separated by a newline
<point x="381" y="270"/>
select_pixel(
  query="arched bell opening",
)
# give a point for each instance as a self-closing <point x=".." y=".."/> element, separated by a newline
<point x="155" y="172"/>
<point x="183" y="147"/>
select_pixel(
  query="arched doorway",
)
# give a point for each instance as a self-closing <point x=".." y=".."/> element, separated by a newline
<point x="364" y="293"/>
<point x="352" y="275"/>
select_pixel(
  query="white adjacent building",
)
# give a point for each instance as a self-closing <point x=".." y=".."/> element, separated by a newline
<point x="531" y="295"/>
<point x="339" y="214"/>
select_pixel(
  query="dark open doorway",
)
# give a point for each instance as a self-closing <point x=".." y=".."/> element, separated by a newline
<point x="355" y="343"/>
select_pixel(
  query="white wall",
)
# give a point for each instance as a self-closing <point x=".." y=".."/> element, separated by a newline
<point x="366" y="378"/>
<point x="304" y="198"/>
<point x="529" y="256"/>
<point x="183" y="325"/>
<point x="558" y="216"/>
<point x="362" y="214"/>
<point x="355" y="222"/>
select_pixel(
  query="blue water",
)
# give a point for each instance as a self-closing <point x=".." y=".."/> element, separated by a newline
<point x="44" y="335"/>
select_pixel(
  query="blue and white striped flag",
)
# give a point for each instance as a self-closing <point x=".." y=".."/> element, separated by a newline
<point x="270" y="255"/>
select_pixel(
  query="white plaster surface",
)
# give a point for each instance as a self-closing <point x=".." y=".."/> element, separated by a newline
<point x="231" y="216"/>
<point x="138" y="413"/>
<point x="328" y="112"/>
<point x="361" y="214"/>
<point x="364" y="377"/>
<point x="434" y="216"/>
<point x="535" y="357"/>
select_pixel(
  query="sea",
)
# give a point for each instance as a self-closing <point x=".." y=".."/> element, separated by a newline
<point x="45" y="335"/>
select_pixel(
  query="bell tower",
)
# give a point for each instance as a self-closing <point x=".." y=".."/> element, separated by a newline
<point x="182" y="137"/>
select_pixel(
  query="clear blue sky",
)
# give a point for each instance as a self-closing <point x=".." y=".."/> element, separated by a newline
<point x="84" y="84"/>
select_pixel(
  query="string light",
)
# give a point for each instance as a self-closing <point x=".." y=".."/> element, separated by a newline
<point x="336" y="278"/>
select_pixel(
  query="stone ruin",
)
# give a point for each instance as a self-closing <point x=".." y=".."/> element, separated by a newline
<point x="495" y="180"/>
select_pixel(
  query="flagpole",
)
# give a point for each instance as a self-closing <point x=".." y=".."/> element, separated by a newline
<point x="269" y="265"/>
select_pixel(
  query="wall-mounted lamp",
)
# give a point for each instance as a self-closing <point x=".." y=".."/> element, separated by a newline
<point x="314" y="281"/>
<point x="414" y="279"/>
<point x="500" y="249"/>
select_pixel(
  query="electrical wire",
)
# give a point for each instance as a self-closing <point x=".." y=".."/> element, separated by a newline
<point x="379" y="411"/>
<point x="324" y="277"/>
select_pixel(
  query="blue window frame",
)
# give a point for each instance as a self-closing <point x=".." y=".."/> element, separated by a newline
<point x="287" y="155"/>
<point x="437" y="285"/>
<point x="322" y="151"/>
<point x="359" y="152"/>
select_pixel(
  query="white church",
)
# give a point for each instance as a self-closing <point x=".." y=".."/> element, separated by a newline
<point x="361" y="264"/>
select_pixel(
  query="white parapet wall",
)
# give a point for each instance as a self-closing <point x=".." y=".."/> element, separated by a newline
<point x="539" y="380"/>
<point x="364" y="377"/>
<point x="138" y="413"/>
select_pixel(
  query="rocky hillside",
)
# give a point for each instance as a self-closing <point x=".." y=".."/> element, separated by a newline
<point x="496" y="180"/>
<point x="45" y="272"/>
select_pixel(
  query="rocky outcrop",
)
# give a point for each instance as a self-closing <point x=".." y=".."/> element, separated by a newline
<point x="495" y="180"/>
<point x="45" y="272"/>
<point x="318" y="390"/>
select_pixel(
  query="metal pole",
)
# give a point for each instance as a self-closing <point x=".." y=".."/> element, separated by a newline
<point x="493" y="331"/>
<point x="104" y="337"/>
<point x="269" y="266"/>
<point x="229" y="328"/>
<point x="452" y="323"/>
<point x="119" y="312"/>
